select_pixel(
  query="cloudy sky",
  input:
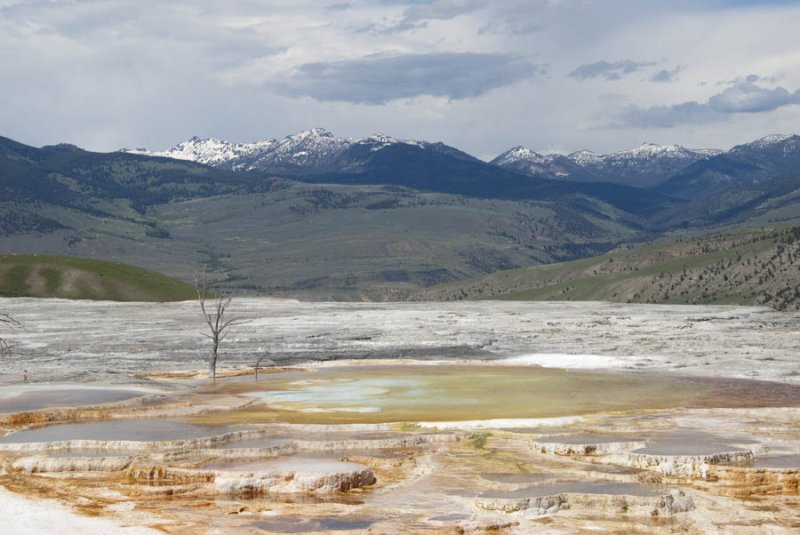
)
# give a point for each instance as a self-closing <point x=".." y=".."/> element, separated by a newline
<point x="553" y="75"/>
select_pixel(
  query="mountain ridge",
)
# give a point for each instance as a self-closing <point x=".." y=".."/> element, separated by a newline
<point x="318" y="151"/>
<point x="363" y="219"/>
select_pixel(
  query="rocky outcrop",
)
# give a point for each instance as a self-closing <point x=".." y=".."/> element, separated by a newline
<point x="743" y="482"/>
<point x="673" y="502"/>
<point x="540" y="505"/>
<point x="688" y="466"/>
<point x="586" y="449"/>
<point x="39" y="464"/>
<point x="317" y="478"/>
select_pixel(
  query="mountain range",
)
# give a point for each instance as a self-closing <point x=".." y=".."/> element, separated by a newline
<point x="314" y="215"/>
<point x="318" y="151"/>
<point x="645" y="166"/>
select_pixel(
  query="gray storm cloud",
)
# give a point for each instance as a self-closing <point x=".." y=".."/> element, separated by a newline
<point x="609" y="70"/>
<point x="747" y="97"/>
<point x="417" y="15"/>
<point x="666" y="75"/>
<point x="744" y="96"/>
<point x="377" y="80"/>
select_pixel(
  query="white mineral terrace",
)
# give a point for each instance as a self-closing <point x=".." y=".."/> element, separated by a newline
<point x="86" y="339"/>
<point x="471" y="418"/>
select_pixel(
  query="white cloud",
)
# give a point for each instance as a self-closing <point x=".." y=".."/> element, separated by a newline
<point x="111" y="73"/>
<point x="742" y="96"/>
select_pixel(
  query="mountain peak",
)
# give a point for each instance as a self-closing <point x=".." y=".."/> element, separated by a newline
<point x="519" y="154"/>
<point x="773" y="138"/>
<point x="764" y="142"/>
<point x="381" y="138"/>
<point x="585" y="157"/>
<point x="647" y="165"/>
<point x="652" y="150"/>
<point x="312" y="133"/>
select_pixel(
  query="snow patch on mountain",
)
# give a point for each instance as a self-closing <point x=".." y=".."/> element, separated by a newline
<point x="767" y="142"/>
<point x="522" y="154"/>
<point x="315" y="149"/>
<point x="586" y="157"/>
<point x="209" y="151"/>
<point x="643" y="166"/>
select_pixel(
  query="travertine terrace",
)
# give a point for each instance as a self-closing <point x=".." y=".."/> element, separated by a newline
<point x="414" y="418"/>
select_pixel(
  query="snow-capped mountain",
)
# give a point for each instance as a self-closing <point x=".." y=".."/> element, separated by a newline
<point x="775" y="144"/>
<point x="311" y="151"/>
<point x="209" y="151"/>
<point x="318" y="152"/>
<point x="747" y="167"/>
<point x="526" y="161"/>
<point x="644" y="166"/>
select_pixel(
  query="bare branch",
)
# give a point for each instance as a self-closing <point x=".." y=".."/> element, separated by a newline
<point x="214" y="306"/>
<point x="8" y="320"/>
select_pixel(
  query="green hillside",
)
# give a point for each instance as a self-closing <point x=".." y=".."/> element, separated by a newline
<point x="756" y="267"/>
<point x="83" y="278"/>
<point x="336" y="242"/>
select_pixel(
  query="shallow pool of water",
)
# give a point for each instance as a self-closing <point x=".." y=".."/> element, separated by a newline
<point x="256" y="443"/>
<point x="289" y="464"/>
<point x="119" y="430"/>
<point x="375" y="394"/>
<point x="517" y="478"/>
<point x="587" y="438"/>
<point x="23" y="398"/>
<point x="779" y="462"/>
<point x="295" y="524"/>
<point x="688" y="443"/>
<point x="583" y="487"/>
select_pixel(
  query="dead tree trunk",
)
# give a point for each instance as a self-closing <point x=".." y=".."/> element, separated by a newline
<point x="7" y="319"/>
<point x="215" y="308"/>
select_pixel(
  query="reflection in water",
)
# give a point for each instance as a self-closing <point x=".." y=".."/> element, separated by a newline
<point x="580" y="487"/>
<point x="783" y="461"/>
<point x="587" y="438"/>
<point x="296" y="524"/>
<point x="688" y="443"/>
<point x="36" y="397"/>
<point x="119" y="430"/>
<point x="517" y="478"/>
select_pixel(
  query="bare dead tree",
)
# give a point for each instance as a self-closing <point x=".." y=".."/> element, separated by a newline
<point x="8" y="320"/>
<point x="215" y="307"/>
<point x="262" y="357"/>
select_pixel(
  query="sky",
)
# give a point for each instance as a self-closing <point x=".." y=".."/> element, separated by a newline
<point x="483" y="76"/>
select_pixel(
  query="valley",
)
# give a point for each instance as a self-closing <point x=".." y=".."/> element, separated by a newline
<point x="319" y="217"/>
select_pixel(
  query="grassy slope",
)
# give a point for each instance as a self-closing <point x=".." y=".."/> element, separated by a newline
<point x="332" y="241"/>
<point x="83" y="278"/>
<point x="756" y="267"/>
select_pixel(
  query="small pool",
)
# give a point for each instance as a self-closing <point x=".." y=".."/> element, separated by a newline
<point x="517" y="478"/>
<point x="302" y="465"/>
<point x="23" y="398"/>
<point x="152" y="430"/>
<point x="587" y="438"/>
<point x="612" y="488"/>
<point x="779" y="462"/>
<point x="689" y="443"/>
<point x="295" y="524"/>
